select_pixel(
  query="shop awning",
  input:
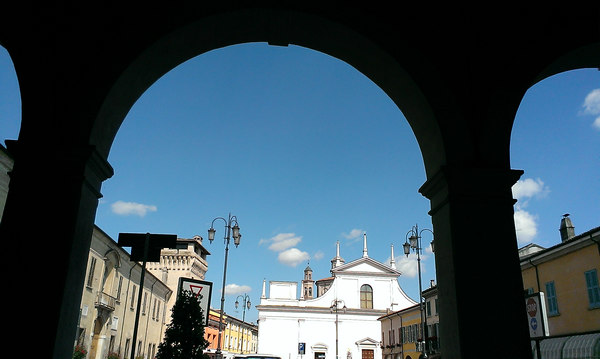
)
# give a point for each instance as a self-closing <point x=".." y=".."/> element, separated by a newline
<point x="584" y="346"/>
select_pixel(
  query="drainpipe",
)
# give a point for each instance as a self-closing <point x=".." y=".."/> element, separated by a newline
<point x="402" y="342"/>
<point x="148" y="314"/>
<point x="125" y="305"/>
<point x="537" y="275"/>
<point x="595" y="241"/>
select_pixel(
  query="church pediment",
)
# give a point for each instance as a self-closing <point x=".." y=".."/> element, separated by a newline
<point x="365" y="342"/>
<point x="365" y="265"/>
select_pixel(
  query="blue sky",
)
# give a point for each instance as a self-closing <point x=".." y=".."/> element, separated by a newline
<point x="306" y="151"/>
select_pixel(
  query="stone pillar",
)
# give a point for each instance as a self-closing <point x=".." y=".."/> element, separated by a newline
<point x="482" y="312"/>
<point x="48" y="219"/>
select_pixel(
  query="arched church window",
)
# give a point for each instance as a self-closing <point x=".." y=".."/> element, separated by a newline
<point x="366" y="297"/>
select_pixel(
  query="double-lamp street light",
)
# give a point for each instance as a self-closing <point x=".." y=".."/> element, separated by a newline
<point x="334" y="308"/>
<point x="414" y="242"/>
<point x="231" y="225"/>
<point x="247" y="304"/>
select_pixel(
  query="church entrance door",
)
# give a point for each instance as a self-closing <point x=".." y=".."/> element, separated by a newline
<point x="368" y="354"/>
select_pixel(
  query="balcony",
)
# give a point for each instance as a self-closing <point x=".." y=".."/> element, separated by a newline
<point x="105" y="301"/>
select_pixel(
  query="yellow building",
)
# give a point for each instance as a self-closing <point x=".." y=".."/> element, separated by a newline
<point x="241" y="336"/>
<point x="238" y="337"/>
<point x="401" y="334"/>
<point x="567" y="273"/>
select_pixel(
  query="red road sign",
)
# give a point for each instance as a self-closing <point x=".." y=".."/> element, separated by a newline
<point x="201" y="289"/>
<point x="196" y="289"/>
<point x="531" y="307"/>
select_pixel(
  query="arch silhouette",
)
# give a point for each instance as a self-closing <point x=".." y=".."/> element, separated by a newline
<point x="457" y="73"/>
<point x="246" y="26"/>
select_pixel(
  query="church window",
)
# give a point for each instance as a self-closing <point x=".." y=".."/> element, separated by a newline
<point x="366" y="297"/>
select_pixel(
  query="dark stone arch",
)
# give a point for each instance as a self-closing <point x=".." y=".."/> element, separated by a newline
<point x="82" y="66"/>
<point x="279" y="28"/>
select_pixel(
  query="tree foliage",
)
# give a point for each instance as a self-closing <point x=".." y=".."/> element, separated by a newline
<point x="184" y="337"/>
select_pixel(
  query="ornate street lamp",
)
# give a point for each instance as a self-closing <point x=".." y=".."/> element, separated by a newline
<point x="334" y="308"/>
<point x="231" y="225"/>
<point x="247" y="303"/>
<point x="414" y="242"/>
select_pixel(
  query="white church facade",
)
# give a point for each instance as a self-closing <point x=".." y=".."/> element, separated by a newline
<point x="338" y="320"/>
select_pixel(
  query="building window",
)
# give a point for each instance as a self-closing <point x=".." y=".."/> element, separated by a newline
<point x="144" y="305"/>
<point x="366" y="297"/>
<point x="90" y="278"/>
<point x="132" y="297"/>
<point x="551" y="298"/>
<point x="127" y="345"/>
<point x="593" y="289"/>
<point x="119" y="287"/>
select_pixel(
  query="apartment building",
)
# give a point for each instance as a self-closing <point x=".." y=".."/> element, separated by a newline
<point x="109" y="304"/>
<point x="567" y="273"/>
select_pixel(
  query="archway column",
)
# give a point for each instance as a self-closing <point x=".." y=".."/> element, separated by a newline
<point x="49" y="216"/>
<point x="482" y="312"/>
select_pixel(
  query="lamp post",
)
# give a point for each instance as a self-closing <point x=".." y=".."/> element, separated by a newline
<point x="335" y="307"/>
<point x="414" y="242"/>
<point x="247" y="303"/>
<point x="231" y="225"/>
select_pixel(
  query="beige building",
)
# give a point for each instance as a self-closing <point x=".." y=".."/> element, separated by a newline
<point x="109" y="303"/>
<point x="109" y="298"/>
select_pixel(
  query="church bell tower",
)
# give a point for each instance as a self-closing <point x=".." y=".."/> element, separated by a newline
<point x="307" y="284"/>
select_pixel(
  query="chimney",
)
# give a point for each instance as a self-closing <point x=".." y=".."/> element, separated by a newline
<point x="567" y="231"/>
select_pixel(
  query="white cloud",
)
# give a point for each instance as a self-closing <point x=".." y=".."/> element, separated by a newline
<point x="132" y="208"/>
<point x="282" y="241"/>
<point x="528" y="188"/>
<point x="318" y="255"/>
<point x="408" y="266"/>
<point x="591" y="106"/>
<point x="236" y="289"/>
<point x="525" y="222"/>
<point x="292" y="257"/>
<point x="525" y="226"/>
<point x="353" y="234"/>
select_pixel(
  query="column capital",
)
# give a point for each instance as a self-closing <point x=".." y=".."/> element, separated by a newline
<point x="72" y="162"/>
<point x="470" y="184"/>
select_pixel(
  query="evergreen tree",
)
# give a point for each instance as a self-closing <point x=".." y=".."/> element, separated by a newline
<point x="184" y="337"/>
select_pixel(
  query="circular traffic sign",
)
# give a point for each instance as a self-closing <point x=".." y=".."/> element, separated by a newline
<point x="531" y="307"/>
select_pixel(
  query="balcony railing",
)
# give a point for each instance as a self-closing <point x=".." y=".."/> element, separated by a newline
<point x="105" y="301"/>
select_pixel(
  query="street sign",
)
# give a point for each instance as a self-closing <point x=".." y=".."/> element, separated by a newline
<point x="537" y="319"/>
<point x="199" y="288"/>
<point x="301" y="348"/>
<point x="145" y="247"/>
<point x="137" y="242"/>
